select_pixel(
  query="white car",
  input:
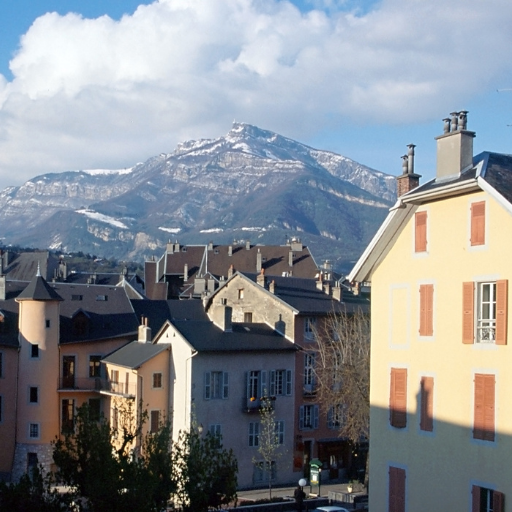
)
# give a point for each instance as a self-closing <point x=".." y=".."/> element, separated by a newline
<point x="330" y="508"/>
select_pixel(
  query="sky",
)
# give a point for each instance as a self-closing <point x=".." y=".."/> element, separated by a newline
<point x="89" y="84"/>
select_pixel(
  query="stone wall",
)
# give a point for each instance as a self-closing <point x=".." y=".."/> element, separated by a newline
<point x="44" y="454"/>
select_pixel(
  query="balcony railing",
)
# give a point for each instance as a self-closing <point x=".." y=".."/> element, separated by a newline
<point x="79" y="383"/>
<point x="118" y="388"/>
<point x="255" y="404"/>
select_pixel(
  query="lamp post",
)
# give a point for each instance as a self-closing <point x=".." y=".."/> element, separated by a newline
<point x="299" y="494"/>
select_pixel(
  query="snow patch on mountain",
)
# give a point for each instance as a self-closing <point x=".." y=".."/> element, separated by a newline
<point x="96" y="172"/>
<point x="170" y="230"/>
<point x="102" y="218"/>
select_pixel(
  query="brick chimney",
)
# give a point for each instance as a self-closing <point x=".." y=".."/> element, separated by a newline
<point x="454" y="147"/>
<point x="408" y="179"/>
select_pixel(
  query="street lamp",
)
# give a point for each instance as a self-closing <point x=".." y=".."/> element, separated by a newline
<point x="302" y="483"/>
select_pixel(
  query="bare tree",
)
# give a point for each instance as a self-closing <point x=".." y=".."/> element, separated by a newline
<point x="342" y="373"/>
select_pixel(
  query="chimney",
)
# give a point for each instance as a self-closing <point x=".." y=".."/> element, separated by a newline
<point x="454" y="147"/>
<point x="290" y="259"/>
<point x="258" y="261"/>
<point x="226" y="323"/>
<point x="210" y="246"/>
<point x="337" y="292"/>
<point x="409" y="180"/>
<point x="272" y="287"/>
<point x="230" y="250"/>
<point x="144" y="331"/>
<point x="2" y="287"/>
<point x="169" y="247"/>
<point x="261" y="278"/>
<point x="319" y="283"/>
<point x="248" y="245"/>
<point x="231" y="271"/>
<point x="210" y="286"/>
<point x="327" y="288"/>
<point x="185" y="272"/>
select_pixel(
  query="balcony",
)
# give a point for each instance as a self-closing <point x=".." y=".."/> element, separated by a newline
<point x="255" y="405"/>
<point x="309" y="390"/>
<point x="72" y="383"/>
<point x="126" y="390"/>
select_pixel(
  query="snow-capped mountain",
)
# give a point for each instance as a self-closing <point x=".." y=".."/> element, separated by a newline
<point x="250" y="184"/>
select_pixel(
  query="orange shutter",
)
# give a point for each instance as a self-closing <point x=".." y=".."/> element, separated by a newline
<point x="426" y="307"/>
<point x="420" y="233"/>
<point x="468" y="305"/>
<point x="427" y="404"/>
<point x="478" y="223"/>
<point x="501" y="311"/>
<point x="475" y="502"/>
<point x="483" y="427"/>
<point x="498" y="501"/>
<point x="398" y="398"/>
<point x="396" y="490"/>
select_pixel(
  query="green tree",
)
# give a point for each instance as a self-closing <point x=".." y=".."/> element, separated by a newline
<point x="206" y="471"/>
<point x="32" y="493"/>
<point x="269" y="442"/>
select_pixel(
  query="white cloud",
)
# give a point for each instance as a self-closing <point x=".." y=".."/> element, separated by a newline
<point x="92" y="93"/>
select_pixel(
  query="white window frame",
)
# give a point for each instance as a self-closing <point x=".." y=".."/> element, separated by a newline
<point x="216" y="385"/>
<point x="308" y="417"/>
<point x="34" y="428"/>
<point x="259" y="472"/>
<point x="309" y="372"/>
<point x="309" y="327"/>
<point x="336" y="416"/>
<point x="486" y="312"/>
<point x="280" y="383"/>
<point x="254" y="434"/>
<point x="215" y="429"/>
<point x="279" y="430"/>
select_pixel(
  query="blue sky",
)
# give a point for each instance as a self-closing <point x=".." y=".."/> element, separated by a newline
<point x="120" y="81"/>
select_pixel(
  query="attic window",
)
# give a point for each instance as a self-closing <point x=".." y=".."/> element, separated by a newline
<point x="102" y="297"/>
<point x="216" y="251"/>
<point x="77" y="297"/>
<point x="184" y="249"/>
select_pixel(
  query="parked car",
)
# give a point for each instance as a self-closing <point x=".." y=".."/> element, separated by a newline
<point x="330" y="508"/>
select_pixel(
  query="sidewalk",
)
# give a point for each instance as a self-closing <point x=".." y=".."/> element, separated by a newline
<point x="287" y="492"/>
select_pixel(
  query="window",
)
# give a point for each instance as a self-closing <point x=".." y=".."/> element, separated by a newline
<point x="157" y="380"/>
<point x="261" y="471"/>
<point x="309" y="327"/>
<point x="1" y="410"/>
<point x="240" y="293"/>
<point x="427" y="404"/>
<point x="336" y="417"/>
<point x="33" y="395"/>
<point x="154" y="422"/>
<point x="114" y="380"/>
<point x="426" y="309"/>
<point x="420" y="232"/>
<point x="34" y="350"/>
<point x="254" y="433"/>
<point x="77" y="297"/>
<point x="215" y="429"/>
<point x="1" y="365"/>
<point x="280" y="382"/>
<point x="483" y="426"/>
<point x="68" y="372"/>
<point x="115" y="421"/>
<point x="396" y="490"/>
<point x="94" y="366"/>
<point x="256" y="385"/>
<point x="398" y="398"/>
<point x="487" y="500"/>
<point x="32" y="462"/>
<point x="68" y="412"/>
<point x="484" y="312"/>
<point x="308" y="417"/>
<point x="47" y="323"/>
<point x="279" y="425"/>
<point x="33" y="430"/>
<point x="248" y="317"/>
<point x="309" y="372"/>
<point x="94" y="409"/>
<point x="216" y="385"/>
<point x="478" y="223"/>
<point x="102" y="297"/>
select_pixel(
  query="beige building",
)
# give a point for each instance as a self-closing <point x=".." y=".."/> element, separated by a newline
<point x="441" y="418"/>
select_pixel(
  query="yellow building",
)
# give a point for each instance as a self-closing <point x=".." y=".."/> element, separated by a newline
<point x="441" y="415"/>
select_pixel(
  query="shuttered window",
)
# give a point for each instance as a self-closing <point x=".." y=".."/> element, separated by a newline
<point x="501" y="311"/>
<point x="398" y="398"/>
<point x="427" y="404"/>
<point x="483" y="427"/>
<point x="486" y="500"/>
<point x="426" y="309"/>
<point x="468" y="310"/>
<point x="478" y="223"/>
<point x="154" y="422"/>
<point x="396" y="490"/>
<point x="420" y="232"/>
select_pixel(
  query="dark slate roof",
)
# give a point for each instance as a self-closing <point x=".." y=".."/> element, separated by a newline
<point x="498" y="172"/>
<point x="306" y="298"/>
<point x="108" y="309"/>
<point x="23" y="267"/>
<point x="244" y="337"/>
<point x="135" y="354"/>
<point x="159" y="311"/>
<point x="9" y="313"/>
<point x="39" y="289"/>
